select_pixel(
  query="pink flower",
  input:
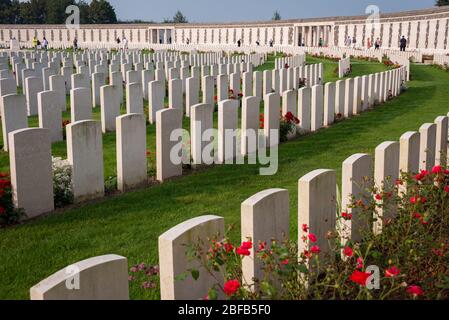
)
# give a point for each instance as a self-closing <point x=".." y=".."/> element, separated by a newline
<point x="359" y="263"/>
<point x="392" y="272"/>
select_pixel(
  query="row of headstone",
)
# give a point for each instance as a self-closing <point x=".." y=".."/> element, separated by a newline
<point x="265" y="216"/>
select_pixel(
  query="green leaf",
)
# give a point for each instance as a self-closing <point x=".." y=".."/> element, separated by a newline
<point x="213" y="294"/>
<point x="195" y="274"/>
<point x="303" y="269"/>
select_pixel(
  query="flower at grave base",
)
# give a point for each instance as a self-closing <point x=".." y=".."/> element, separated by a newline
<point x="359" y="264"/>
<point x="231" y="287"/>
<point x="346" y="216"/>
<point x="148" y="285"/>
<point x="240" y="95"/>
<point x="417" y="216"/>
<point x="315" y="250"/>
<point x="418" y="199"/>
<point x="359" y="277"/>
<point x="399" y="182"/>
<point x="437" y="169"/>
<point x="141" y="266"/>
<point x="312" y="237"/>
<point x="243" y="250"/>
<point x="4" y="174"/>
<point x="418" y="177"/>
<point x="228" y="247"/>
<point x="262" y="246"/>
<point x="446" y="189"/>
<point x="215" y="98"/>
<point x="305" y="228"/>
<point x="134" y="269"/>
<point x="247" y="245"/>
<point x="285" y="262"/>
<point x="378" y="197"/>
<point x="347" y="251"/>
<point x="4" y="183"/>
<point x="415" y="291"/>
<point x="391" y="272"/>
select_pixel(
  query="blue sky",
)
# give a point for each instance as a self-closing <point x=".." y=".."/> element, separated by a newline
<point x="254" y="10"/>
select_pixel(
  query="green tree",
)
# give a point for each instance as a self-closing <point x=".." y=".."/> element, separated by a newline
<point x="179" y="18"/>
<point x="276" y="16"/>
<point x="441" y="3"/>
<point x="101" y="11"/>
<point x="33" y="12"/>
<point x="6" y="11"/>
<point x="84" y="12"/>
<point x="55" y="11"/>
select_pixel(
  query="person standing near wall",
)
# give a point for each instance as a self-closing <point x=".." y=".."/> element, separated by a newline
<point x="403" y="43"/>
<point x="45" y="44"/>
<point x="35" y="43"/>
<point x="75" y="44"/>
<point x="125" y="43"/>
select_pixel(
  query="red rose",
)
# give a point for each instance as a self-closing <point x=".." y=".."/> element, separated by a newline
<point x="312" y="237"/>
<point x="315" y="249"/>
<point x="305" y="228"/>
<point x="446" y="189"/>
<point x="415" y="291"/>
<point x="437" y="169"/>
<point x="247" y="245"/>
<point x="242" y="251"/>
<point x="359" y="277"/>
<point x="228" y="247"/>
<point x="285" y="262"/>
<point x="392" y="272"/>
<point x="346" y="216"/>
<point x="378" y="197"/>
<point x="348" y="252"/>
<point x="231" y="287"/>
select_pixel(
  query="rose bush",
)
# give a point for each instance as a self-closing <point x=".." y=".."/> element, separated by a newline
<point x="409" y="259"/>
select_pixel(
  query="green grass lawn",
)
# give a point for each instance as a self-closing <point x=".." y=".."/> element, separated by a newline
<point x="130" y="224"/>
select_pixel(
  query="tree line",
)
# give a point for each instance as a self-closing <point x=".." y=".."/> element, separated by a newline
<point x="54" y="11"/>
